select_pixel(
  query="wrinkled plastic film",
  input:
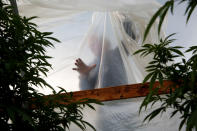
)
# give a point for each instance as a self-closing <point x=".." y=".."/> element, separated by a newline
<point x="123" y="115"/>
<point x="105" y="33"/>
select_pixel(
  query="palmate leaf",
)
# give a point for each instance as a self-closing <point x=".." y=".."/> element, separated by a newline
<point x="160" y="77"/>
<point x="153" y="79"/>
<point x="29" y="19"/>
<point x="193" y="120"/>
<point x="25" y="52"/>
<point x="153" y="19"/>
<point x="90" y="106"/>
<point x="154" y="113"/>
<point x="47" y="33"/>
<point x="183" y="99"/>
<point x="145" y="102"/>
<point x="162" y="16"/>
<point x="172" y="8"/>
<point x="62" y="90"/>
<point x="167" y="38"/>
<point x="148" y="77"/>
<point x="176" y="51"/>
<point x="153" y="66"/>
<point x="182" y="123"/>
<point x="156" y="98"/>
<point x="190" y="8"/>
<point x="161" y="52"/>
<point x="52" y="38"/>
<point x="139" y="51"/>
<point x="174" y="113"/>
<point x="78" y="124"/>
<point x="192" y="48"/>
<point x="178" y="47"/>
<point x="89" y="101"/>
<point x="87" y="123"/>
<point x="162" y="13"/>
<point x="13" y="111"/>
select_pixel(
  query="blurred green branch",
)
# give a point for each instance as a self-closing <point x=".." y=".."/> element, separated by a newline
<point x="183" y="100"/>
<point x="23" y="62"/>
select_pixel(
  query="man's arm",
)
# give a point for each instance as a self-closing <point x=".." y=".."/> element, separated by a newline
<point x="86" y="82"/>
<point x="82" y="68"/>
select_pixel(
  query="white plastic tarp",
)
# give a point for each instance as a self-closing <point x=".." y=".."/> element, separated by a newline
<point x="104" y="33"/>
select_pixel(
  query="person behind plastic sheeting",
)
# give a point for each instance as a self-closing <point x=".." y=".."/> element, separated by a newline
<point x="107" y="68"/>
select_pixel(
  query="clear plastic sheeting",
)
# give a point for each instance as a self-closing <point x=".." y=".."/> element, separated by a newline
<point x="123" y="115"/>
<point x="109" y="43"/>
<point x="97" y="5"/>
<point x="103" y="33"/>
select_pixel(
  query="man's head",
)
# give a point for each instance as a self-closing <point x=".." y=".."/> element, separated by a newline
<point x="97" y="44"/>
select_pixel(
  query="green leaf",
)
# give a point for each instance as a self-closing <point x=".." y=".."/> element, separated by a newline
<point x="148" y="77"/>
<point x="139" y="51"/>
<point x="190" y="8"/>
<point x="160" y="78"/>
<point x="92" y="107"/>
<point x="144" y="103"/>
<point x="191" y="48"/>
<point x="162" y="16"/>
<point x="89" y="125"/>
<point x="169" y="36"/>
<point x="177" y="51"/>
<point x="192" y="120"/>
<point x="173" y="113"/>
<point x="182" y="123"/>
<point x="31" y="18"/>
<point x="172" y="8"/>
<point x="153" y="114"/>
<point x="178" y="47"/>
<point x="79" y="125"/>
<point x="153" y="19"/>
<point x="153" y="79"/>
<point x="52" y="38"/>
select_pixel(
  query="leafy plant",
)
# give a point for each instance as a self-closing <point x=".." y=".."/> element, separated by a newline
<point x="182" y="100"/>
<point x="23" y="62"/>
<point x="169" y="5"/>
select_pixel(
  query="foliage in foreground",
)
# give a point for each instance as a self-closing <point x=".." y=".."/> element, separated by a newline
<point x="182" y="100"/>
<point x="22" y="63"/>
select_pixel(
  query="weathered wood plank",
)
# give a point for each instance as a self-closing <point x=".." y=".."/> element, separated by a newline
<point x="119" y="92"/>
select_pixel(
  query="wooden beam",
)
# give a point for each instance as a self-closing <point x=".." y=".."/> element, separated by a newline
<point x="114" y="93"/>
<point x="119" y="92"/>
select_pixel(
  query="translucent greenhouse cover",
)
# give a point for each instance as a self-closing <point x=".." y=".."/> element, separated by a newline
<point x="104" y="34"/>
<point x="123" y="115"/>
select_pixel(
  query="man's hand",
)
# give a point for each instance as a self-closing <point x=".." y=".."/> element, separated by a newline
<point x="82" y="68"/>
